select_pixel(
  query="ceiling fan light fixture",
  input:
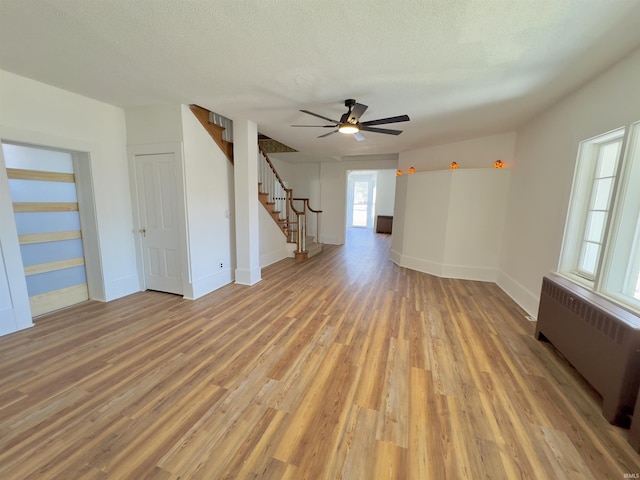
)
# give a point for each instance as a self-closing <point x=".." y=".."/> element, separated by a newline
<point x="348" y="129"/>
<point x="349" y="122"/>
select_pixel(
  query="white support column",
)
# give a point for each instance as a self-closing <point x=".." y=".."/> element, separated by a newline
<point x="245" y="166"/>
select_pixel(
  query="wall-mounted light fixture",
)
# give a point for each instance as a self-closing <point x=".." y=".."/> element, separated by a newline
<point x="453" y="166"/>
<point x="498" y="164"/>
<point x="411" y="171"/>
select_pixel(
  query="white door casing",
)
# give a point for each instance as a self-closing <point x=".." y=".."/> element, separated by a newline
<point x="43" y="189"/>
<point x="159" y="226"/>
<point x="361" y="198"/>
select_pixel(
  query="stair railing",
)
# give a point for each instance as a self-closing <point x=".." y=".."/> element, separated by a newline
<point x="280" y="197"/>
<point x="292" y="212"/>
<point x="271" y="184"/>
<point x="311" y="228"/>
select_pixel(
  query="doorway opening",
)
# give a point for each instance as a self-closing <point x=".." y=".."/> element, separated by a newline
<point x="46" y="203"/>
<point x="361" y="199"/>
<point x="370" y="200"/>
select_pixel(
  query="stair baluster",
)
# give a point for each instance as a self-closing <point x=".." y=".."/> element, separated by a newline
<point x="290" y="213"/>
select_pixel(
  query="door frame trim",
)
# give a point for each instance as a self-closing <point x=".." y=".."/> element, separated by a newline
<point x="365" y="175"/>
<point x="175" y="148"/>
<point x="81" y="151"/>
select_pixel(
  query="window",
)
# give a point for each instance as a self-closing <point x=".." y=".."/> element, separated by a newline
<point x="601" y="247"/>
<point x="597" y="212"/>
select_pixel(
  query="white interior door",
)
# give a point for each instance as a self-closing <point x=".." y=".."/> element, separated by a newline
<point x="159" y="225"/>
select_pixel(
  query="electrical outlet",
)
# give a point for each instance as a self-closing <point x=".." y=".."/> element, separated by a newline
<point x="221" y="266"/>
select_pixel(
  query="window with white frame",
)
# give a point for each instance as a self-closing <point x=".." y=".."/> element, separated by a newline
<point x="601" y="247"/>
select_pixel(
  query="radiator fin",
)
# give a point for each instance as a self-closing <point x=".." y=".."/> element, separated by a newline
<point x="596" y="318"/>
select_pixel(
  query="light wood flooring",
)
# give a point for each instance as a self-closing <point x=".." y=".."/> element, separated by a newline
<point x="344" y="366"/>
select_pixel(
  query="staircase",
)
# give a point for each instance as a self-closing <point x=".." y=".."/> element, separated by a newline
<point x="296" y="219"/>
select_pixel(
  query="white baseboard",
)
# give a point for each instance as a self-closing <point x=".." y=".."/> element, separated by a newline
<point x="248" y="277"/>
<point x="331" y="240"/>
<point x="273" y="257"/>
<point x="121" y="287"/>
<point x="527" y="300"/>
<point x="420" y="265"/>
<point x="9" y="322"/>
<point x="463" y="272"/>
<point x="203" y="286"/>
<point x="466" y="272"/>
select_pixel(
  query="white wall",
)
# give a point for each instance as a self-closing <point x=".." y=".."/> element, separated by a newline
<point x="474" y="153"/>
<point x="154" y="124"/>
<point x="545" y="155"/>
<point x="385" y="192"/>
<point x="420" y="221"/>
<point x="282" y="167"/>
<point x="476" y="222"/>
<point x="449" y="223"/>
<point x="273" y="243"/>
<point x="303" y="178"/>
<point x="35" y="113"/>
<point x="209" y="206"/>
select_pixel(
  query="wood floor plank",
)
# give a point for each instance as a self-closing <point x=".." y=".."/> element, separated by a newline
<point x="390" y="461"/>
<point x="249" y="459"/>
<point x="419" y="453"/>
<point x="393" y="418"/>
<point x="345" y="366"/>
<point x="357" y="446"/>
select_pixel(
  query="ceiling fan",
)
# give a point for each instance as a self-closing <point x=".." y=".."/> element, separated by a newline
<point x="350" y="122"/>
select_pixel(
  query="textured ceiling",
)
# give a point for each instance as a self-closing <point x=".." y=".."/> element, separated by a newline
<point x="458" y="68"/>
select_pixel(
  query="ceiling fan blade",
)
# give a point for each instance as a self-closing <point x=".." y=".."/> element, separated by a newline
<point x="359" y="137"/>
<point x="316" y="126"/>
<point x="382" y="121"/>
<point x="319" y="116"/>
<point x="327" y="134"/>
<point x="356" y="112"/>
<point x="388" y="131"/>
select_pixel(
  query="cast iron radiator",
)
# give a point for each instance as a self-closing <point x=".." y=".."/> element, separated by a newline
<point x="600" y="339"/>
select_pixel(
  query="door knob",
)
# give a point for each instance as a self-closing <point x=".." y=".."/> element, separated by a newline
<point x="143" y="231"/>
